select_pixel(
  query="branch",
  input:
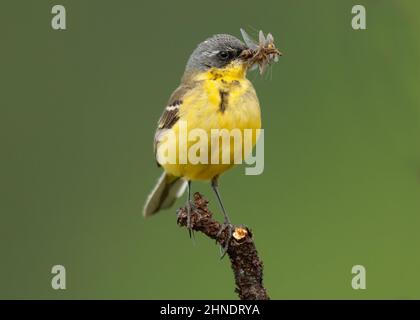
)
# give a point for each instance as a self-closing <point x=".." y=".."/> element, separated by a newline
<point x="246" y="265"/>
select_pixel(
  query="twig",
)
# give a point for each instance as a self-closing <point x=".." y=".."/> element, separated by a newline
<point x="246" y="265"/>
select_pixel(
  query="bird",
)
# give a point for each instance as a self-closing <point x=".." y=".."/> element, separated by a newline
<point x="214" y="93"/>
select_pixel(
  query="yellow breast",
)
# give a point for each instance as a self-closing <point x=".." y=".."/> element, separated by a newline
<point x="221" y="99"/>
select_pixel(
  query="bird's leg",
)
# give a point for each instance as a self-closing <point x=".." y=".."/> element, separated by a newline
<point x="190" y="207"/>
<point x="226" y="223"/>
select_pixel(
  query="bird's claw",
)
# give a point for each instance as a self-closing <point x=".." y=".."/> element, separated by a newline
<point x="225" y="247"/>
<point x="190" y="207"/>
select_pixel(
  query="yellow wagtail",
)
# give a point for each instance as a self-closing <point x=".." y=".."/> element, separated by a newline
<point x="214" y="94"/>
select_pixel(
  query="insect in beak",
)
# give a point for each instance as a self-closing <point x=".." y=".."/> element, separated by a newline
<point x="260" y="54"/>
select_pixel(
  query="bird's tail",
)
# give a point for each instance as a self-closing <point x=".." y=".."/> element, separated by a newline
<point x="167" y="190"/>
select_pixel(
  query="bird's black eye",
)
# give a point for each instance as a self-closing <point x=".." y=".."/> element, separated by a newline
<point x="224" y="55"/>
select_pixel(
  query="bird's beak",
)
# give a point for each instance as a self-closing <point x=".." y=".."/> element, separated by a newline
<point x="246" y="54"/>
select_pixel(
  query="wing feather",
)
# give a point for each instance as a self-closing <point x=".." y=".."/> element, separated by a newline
<point x="170" y="115"/>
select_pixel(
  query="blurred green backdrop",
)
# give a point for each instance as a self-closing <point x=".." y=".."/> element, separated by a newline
<point x="342" y="126"/>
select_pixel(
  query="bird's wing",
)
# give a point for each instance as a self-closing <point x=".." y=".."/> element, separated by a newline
<point x="170" y="114"/>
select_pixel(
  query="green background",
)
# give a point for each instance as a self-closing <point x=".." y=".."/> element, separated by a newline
<point x="79" y="107"/>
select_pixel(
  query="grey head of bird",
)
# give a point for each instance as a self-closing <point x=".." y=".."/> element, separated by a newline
<point x="215" y="52"/>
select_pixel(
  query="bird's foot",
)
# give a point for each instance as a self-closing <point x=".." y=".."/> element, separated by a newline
<point x="190" y="208"/>
<point x="225" y="247"/>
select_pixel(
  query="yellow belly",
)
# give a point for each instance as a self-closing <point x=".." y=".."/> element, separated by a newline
<point x="201" y="108"/>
